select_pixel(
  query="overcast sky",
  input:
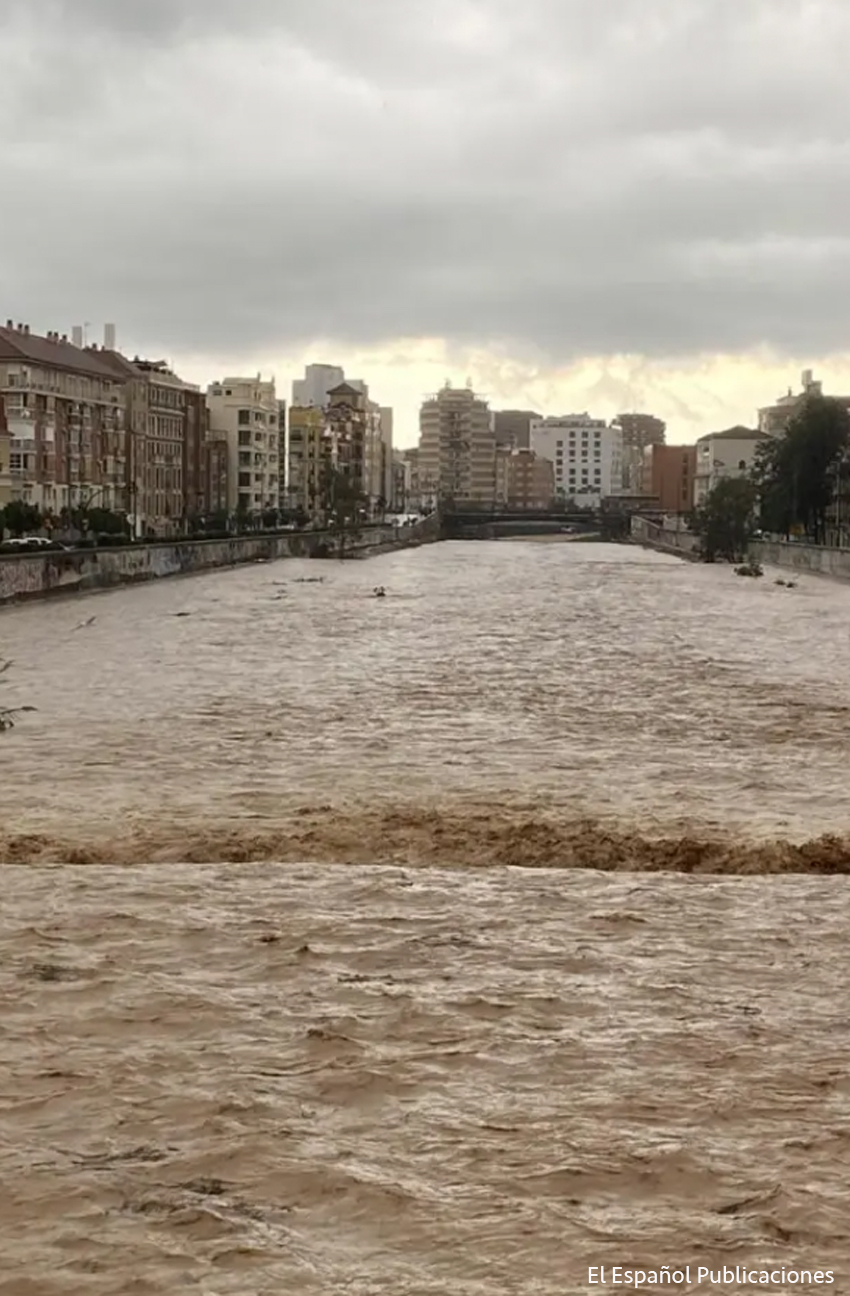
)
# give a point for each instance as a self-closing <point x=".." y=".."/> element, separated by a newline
<point x="577" y="203"/>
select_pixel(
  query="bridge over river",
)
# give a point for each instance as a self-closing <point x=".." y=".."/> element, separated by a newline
<point x="465" y="523"/>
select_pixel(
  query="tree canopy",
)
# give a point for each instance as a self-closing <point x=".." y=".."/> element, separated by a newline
<point x="726" y="520"/>
<point x="799" y="475"/>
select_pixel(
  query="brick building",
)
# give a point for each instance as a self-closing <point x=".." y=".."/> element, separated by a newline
<point x="531" y="481"/>
<point x="65" y="415"/>
<point x="668" y="475"/>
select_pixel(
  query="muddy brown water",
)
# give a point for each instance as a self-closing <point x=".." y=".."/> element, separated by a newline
<point x="453" y="942"/>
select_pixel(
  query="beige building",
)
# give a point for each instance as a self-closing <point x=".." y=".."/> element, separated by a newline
<point x="387" y="487"/>
<point x="774" y="419"/>
<point x="457" y="448"/>
<point x="5" y="450"/>
<point x="306" y="424"/>
<point x="245" y="412"/>
<point x="721" y="455"/>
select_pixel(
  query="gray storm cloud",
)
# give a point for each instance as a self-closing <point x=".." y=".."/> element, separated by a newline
<point x="645" y="176"/>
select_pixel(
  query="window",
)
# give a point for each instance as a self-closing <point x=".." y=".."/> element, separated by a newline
<point x="742" y="465"/>
<point x="244" y="418"/>
<point x="244" y="480"/>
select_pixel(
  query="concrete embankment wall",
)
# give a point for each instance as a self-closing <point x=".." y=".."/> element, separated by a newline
<point x="679" y="543"/>
<point x="801" y="557"/>
<point x="37" y="575"/>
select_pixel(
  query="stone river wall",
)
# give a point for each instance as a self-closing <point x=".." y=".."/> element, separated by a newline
<point x="36" y="575"/>
<point x="802" y="557"/>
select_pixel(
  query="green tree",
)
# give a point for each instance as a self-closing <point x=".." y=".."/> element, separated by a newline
<point x="343" y="505"/>
<point x="21" y="518"/>
<point x="798" y="475"/>
<point x="726" y="520"/>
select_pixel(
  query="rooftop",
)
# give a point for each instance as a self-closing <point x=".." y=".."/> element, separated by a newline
<point x="739" y="433"/>
<point x="52" y="352"/>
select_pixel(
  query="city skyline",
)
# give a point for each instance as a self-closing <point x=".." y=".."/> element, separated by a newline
<point x="632" y="206"/>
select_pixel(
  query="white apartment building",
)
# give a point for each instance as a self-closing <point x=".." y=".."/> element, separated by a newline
<point x="724" y="454"/>
<point x="244" y="411"/>
<point x="457" y="448"/>
<point x="312" y="390"/>
<point x="586" y="455"/>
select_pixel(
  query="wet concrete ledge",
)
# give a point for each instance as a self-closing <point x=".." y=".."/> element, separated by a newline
<point x="818" y="560"/>
<point x="40" y="575"/>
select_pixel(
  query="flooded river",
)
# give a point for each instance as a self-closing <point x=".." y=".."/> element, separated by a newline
<point x="453" y="942"/>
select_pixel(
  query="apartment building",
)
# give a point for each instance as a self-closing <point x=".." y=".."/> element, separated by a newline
<point x="64" y="415"/>
<point x="721" y="455"/>
<point x="283" y="454"/>
<point x="167" y="432"/>
<point x="347" y="426"/>
<point x="668" y="476"/>
<point x="639" y="431"/>
<point x="416" y="500"/>
<point x="387" y="453"/>
<point x="774" y="419"/>
<point x="586" y="455"/>
<point x="196" y="451"/>
<point x="531" y="481"/>
<point x="312" y="390"/>
<point x="400" y="492"/>
<point x="502" y="475"/>
<point x="216" y="469"/>
<point x="305" y="457"/>
<point x="5" y="450"/>
<point x="457" y="447"/>
<point x="374" y="465"/>
<point x="244" y="412"/>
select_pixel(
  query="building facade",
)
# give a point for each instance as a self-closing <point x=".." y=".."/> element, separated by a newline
<point x="669" y="473"/>
<point x="282" y="457"/>
<point x="64" y="415"/>
<point x="304" y="458"/>
<point x="586" y="455"/>
<point x="244" y="412"/>
<point x="774" y="419"/>
<point x="531" y="481"/>
<point x="457" y="448"/>
<point x="345" y="432"/>
<point x="639" y="431"/>
<point x="387" y="486"/>
<point x="312" y="390"/>
<point x="513" y="427"/>
<point x="5" y="450"/>
<point x="722" y="455"/>
<point x="216" y="455"/>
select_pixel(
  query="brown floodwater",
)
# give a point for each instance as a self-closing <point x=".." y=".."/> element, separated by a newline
<point x="453" y="942"/>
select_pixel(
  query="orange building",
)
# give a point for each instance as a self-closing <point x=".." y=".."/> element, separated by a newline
<point x="668" y="475"/>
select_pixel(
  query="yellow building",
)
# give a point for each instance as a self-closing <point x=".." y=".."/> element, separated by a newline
<point x="305" y="457"/>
